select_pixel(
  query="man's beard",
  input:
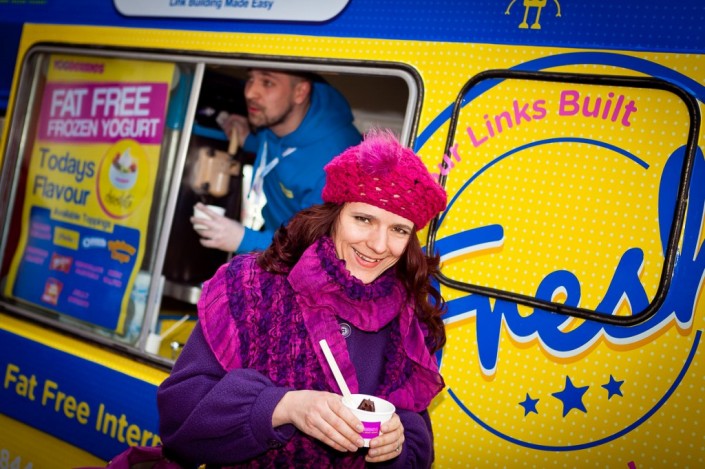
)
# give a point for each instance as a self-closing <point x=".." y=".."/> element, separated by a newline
<point x="268" y="122"/>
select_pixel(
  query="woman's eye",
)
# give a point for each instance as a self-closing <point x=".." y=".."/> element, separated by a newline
<point x="362" y="219"/>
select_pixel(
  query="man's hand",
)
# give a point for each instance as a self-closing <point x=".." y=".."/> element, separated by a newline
<point x="220" y="232"/>
<point x="237" y="122"/>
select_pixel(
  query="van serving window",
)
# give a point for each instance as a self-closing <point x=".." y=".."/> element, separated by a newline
<point x="101" y="174"/>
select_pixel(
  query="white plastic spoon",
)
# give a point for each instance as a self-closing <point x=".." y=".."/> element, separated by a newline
<point x="336" y="370"/>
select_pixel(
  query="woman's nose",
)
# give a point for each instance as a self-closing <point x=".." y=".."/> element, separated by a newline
<point x="378" y="240"/>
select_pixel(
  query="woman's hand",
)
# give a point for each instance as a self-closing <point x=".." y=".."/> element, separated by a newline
<point x="323" y="416"/>
<point x="388" y="444"/>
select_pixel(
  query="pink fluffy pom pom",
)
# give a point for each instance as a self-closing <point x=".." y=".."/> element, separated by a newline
<point x="379" y="153"/>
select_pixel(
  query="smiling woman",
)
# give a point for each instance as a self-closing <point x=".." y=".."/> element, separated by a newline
<point x="351" y="263"/>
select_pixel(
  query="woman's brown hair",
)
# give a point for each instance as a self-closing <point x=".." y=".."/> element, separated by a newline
<point x="415" y="269"/>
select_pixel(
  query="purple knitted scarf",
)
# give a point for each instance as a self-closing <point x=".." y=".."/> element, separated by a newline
<point x="273" y="323"/>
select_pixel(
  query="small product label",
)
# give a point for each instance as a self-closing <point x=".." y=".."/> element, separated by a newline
<point x="370" y="429"/>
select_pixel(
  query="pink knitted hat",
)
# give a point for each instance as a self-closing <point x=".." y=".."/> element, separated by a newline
<point x="381" y="172"/>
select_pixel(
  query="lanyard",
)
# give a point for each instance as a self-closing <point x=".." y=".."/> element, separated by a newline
<point x="263" y="169"/>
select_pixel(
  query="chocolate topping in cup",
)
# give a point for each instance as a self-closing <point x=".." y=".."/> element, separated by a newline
<point x="367" y="404"/>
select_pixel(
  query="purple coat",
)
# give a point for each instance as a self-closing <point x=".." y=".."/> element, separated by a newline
<point x="257" y="339"/>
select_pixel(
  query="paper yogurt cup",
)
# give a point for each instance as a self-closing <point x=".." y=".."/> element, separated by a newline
<point x="200" y="214"/>
<point x="371" y="421"/>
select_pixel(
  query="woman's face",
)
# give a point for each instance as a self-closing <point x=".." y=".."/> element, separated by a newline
<point x="370" y="239"/>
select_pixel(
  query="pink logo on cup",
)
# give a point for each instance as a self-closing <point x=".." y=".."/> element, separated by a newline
<point x="370" y="429"/>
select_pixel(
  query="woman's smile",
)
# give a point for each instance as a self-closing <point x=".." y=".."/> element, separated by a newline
<point x="365" y="258"/>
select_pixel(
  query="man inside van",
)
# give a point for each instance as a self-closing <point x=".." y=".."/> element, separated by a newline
<point x="295" y="124"/>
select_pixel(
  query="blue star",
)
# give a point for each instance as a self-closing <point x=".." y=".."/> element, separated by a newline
<point x="571" y="397"/>
<point x="613" y="387"/>
<point x="529" y="405"/>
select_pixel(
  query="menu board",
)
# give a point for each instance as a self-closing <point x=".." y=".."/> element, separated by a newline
<point x="91" y="172"/>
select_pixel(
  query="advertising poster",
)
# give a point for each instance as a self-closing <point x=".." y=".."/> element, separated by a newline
<point x="91" y="173"/>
